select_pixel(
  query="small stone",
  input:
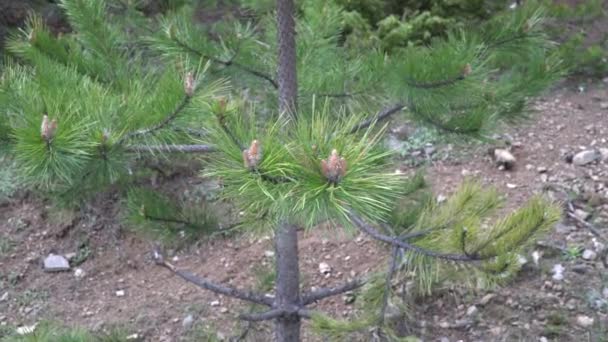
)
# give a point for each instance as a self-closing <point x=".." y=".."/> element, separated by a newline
<point x="223" y="310"/>
<point x="486" y="299"/>
<point x="79" y="273"/>
<point x="441" y="198"/>
<point x="324" y="268"/>
<point x="541" y="169"/>
<point x="543" y="339"/>
<point x="603" y="105"/>
<point x="581" y="214"/>
<point x="558" y="272"/>
<point x="472" y="310"/>
<point x="269" y="254"/>
<point x="4" y="297"/>
<point x="511" y="185"/>
<point x="605" y="292"/>
<point x="215" y="303"/>
<point x="589" y="254"/>
<point x="536" y="255"/>
<point x="187" y="322"/>
<point x="56" y="263"/>
<point x="584" y="321"/>
<point x="444" y="339"/>
<point x="120" y="293"/>
<point x="70" y="256"/>
<point x="504" y="158"/>
<point x="26" y="329"/>
<point x="133" y="337"/>
<point x="585" y="157"/>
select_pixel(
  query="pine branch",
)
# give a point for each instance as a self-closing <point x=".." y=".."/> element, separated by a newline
<point x="383" y="114"/>
<point x="323" y="293"/>
<point x="171" y="148"/>
<point x="185" y="101"/>
<point x="228" y="63"/>
<point x="435" y="84"/>
<point x="394" y="241"/>
<point x="264" y="316"/>
<point x="208" y="285"/>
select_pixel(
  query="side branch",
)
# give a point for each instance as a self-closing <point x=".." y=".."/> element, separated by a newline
<point x="171" y="148"/>
<point x="385" y="113"/>
<point x="185" y="101"/>
<point x="264" y="316"/>
<point x="394" y="241"/>
<point x="313" y="296"/>
<point x="207" y="285"/>
<point x="436" y="84"/>
<point x="228" y="63"/>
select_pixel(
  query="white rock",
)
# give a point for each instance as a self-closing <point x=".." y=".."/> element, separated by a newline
<point x="120" y="293"/>
<point x="269" y="254"/>
<point x="536" y="255"/>
<point x="584" y="321"/>
<point x="486" y="299"/>
<point x="56" y="263"/>
<point x="4" y="297"/>
<point x="324" y="268"/>
<point x="589" y="254"/>
<point x="215" y="303"/>
<point x="79" y="273"/>
<point x="558" y="272"/>
<point x="441" y="198"/>
<point x="605" y="292"/>
<point x="504" y="158"/>
<point x="26" y="329"/>
<point x="472" y="310"/>
<point x="511" y="185"/>
<point x="585" y="157"/>
<point x="187" y="322"/>
<point x="581" y="214"/>
<point x="543" y="339"/>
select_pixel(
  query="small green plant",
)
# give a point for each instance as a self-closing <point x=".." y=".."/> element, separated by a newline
<point x="572" y="253"/>
<point x="51" y="332"/>
<point x="6" y="245"/>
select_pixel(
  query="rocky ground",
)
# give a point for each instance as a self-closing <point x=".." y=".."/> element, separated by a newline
<point x="561" y="295"/>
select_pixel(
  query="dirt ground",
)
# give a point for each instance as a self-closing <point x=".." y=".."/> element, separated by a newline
<point x="121" y="286"/>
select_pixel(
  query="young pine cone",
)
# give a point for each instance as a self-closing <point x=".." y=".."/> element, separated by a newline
<point x="334" y="168"/>
<point x="189" y="84"/>
<point x="47" y="129"/>
<point x="253" y="155"/>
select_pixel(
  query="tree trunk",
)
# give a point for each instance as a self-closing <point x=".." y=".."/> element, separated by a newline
<point x="287" y="74"/>
<point x="287" y="329"/>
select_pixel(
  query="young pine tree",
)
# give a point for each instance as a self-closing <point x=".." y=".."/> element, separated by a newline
<point x="285" y="122"/>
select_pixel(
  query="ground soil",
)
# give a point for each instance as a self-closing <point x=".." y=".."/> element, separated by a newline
<point x="155" y="302"/>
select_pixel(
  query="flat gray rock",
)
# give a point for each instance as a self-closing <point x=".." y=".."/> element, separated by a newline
<point x="56" y="263"/>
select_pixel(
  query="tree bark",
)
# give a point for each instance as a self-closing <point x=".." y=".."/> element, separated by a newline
<point x="287" y="74"/>
<point x="287" y="297"/>
<point x="287" y="327"/>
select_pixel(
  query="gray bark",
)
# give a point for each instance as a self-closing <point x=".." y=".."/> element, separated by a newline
<point x="287" y="75"/>
<point x="287" y="327"/>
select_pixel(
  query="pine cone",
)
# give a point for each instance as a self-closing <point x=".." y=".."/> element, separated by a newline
<point x="47" y="129"/>
<point x="253" y="155"/>
<point x="334" y="168"/>
<point x="189" y="84"/>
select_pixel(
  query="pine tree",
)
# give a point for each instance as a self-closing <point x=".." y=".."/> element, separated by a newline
<point x="286" y="128"/>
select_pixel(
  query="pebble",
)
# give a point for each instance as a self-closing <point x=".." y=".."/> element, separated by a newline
<point x="79" y="273"/>
<point x="269" y="254"/>
<point x="558" y="272"/>
<point x="589" y="254"/>
<point x="215" y="303"/>
<point x="605" y="292"/>
<point x="120" y="293"/>
<point x="504" y="158"/>
<point x="4" y="297"/>
<point x="187" y="322"/>
<point x="584" y="321"/>
<point x="56" y="263"/>
<point x="486" y="299"/>
<point x="223" y="310"/>
<point x="585" y="157"/>
<point x="472" y="310"/>
<point x="581" y="214"/>
<point x="324" y="268"/>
